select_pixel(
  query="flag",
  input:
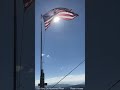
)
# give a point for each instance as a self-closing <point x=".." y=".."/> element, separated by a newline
<point x="63" y="13"/>
<point x="27" y="3"/>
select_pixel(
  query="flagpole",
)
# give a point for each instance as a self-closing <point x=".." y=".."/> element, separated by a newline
<point x="41" y="62"/>
<point x="41" y="44"/>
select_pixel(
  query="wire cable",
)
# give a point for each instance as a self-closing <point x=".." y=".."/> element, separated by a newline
<point x="68" y="73"/>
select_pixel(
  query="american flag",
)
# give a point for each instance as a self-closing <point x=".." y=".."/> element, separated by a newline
<point x="63" y="13"/>
<point x="27" y="3"/>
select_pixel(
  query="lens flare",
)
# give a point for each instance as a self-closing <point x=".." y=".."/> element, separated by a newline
<point x="56" y="19"/>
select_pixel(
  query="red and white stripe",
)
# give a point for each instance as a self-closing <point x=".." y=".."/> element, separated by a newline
<point x="66" y="15"/>
<point x="62" y="14"/>
<point x="47" y="23"/>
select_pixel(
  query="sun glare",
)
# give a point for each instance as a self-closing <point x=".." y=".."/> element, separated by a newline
<point x="56" y="19"/>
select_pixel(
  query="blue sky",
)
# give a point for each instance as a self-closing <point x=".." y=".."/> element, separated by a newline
<point x="63" y="43"/>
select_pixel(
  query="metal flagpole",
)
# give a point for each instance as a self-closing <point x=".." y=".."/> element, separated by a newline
<point x="41" y="44"/>
<point x="41" y="62"/>
<point x="42" y="84"/>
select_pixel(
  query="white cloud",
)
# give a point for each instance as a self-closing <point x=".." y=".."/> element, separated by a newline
<point x="48" y="56"/>
<point x="71" y="79"/>
<point x="37" y="82"/>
